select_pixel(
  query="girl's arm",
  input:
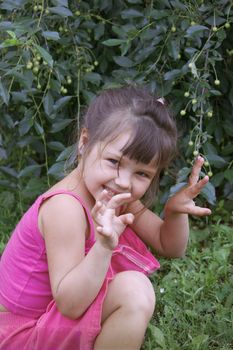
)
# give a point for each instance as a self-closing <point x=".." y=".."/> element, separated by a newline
<point x="169" y="237"/>
<point x="75" y="278"/>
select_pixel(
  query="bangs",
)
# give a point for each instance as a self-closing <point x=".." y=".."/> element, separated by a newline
<point x="143" y="146"/>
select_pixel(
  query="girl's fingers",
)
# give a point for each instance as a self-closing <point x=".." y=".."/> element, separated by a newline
<point x="104" y="231"/>
<point x="196" y="189"/>
<point x="198" y="211"/>
<point x="118" y="200"/>
<point x="96" y="209"/>
<point x="195" y="173"/>
<point x="127" y="219"/>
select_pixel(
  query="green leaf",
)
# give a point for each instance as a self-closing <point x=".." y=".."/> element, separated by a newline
<point x="172" y="74"/>
<point x="51" y="35"/>
<point x="61" y="103"/>
<point x="177" y="188"/>
<point x="209" y="193"/>
<point x="25" y="125"/>
<point x="65" y="154"/>
<point x="196" y="29"/>
<point x="217" y="179"/>
<point x="216" y="160"/>
<point x="34" y="187"/>
<point x="215" y="92"/>
<point x="60" y="125"/>
<point x="39" y="129"/>
<point x="131" y="13"/>
<point x="194" y="70"/>
<point x="61" y="11"/>
<point x="123" y="61"/>
<point x="93" y="78"/>
<point x="4" y="93"/>
<point x="12" y="34"/>
<point x="174" y="48"/>
<point x="114" y="42"/>
<point x="45" y="55"/>
<point x="157" y="336"/>
<point x="9" y="171"/>
<point x="10" y="42"/>
<point x="228" y="174"/>
<point x="183" y="174"/>
<point x="55" y="145"/>
<point x="29" y="170"/>
<point x="199" y="341"/>
<point x="57" y="170"/>
<point x="48" y="103"/>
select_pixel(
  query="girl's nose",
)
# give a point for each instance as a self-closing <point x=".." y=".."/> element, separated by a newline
<point x="123" y="180"/>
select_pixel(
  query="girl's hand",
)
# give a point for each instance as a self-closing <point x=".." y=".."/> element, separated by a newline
<point x="109" y="224"/>
<point x="182" y="201"/>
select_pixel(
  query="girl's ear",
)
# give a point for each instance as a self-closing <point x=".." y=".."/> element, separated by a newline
<point x="83" y="140"/>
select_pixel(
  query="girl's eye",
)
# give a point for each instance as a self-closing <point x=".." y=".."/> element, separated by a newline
<point x="113" y="161"/>
<point x="141" y="173"/>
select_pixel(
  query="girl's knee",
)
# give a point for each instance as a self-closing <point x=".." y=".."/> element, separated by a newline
<point x="133" y="292"/>
<point x="137" y="293"/>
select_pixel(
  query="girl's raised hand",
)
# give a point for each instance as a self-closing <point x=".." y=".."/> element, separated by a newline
<point x="109" y="224"/>
<point x="182" y="201"/>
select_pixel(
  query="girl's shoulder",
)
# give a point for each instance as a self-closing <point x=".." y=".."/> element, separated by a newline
<point x="59" y="201"/>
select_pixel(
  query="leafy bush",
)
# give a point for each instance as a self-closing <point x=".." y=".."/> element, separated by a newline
<point x="55" y="56"/>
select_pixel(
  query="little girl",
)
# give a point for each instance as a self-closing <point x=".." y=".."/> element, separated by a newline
<point x="74" y="272"/>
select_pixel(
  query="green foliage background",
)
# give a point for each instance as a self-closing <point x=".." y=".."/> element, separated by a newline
<point x="56" y="55"/>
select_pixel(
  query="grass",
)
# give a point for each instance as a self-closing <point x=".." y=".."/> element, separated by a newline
<point x="194" y="294"/>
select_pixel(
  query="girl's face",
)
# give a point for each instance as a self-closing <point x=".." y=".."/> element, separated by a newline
<point x="105" y="168"/>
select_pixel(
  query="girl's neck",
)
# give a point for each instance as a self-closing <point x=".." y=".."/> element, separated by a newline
<point x="73" y="182"/>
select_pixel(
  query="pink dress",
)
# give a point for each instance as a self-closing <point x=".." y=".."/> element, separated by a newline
<point x="33" y="321"/>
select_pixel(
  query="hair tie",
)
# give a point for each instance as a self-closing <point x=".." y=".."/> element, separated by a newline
<point x="161" y="100"/>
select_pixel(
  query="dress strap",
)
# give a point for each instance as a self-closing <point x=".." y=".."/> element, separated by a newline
<point x="47" y="195"/>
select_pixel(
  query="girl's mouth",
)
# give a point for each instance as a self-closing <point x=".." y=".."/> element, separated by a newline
<point x="111" y="192"/>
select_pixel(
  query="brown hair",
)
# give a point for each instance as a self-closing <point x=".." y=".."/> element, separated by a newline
<point x="154" y="133"/>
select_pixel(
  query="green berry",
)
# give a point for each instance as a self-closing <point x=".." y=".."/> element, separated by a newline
<point x="190" y="143"/>
<point x="210" y="174"/>
<point x="35" y="8"/>
<point x="195" y="153"/>
<point x="193" y="23"/>
<point x="35" y="70"/>
<point x="210" y="114"/>
<point x="29" y="65"/>
<point x="96" y="63"/>
<point x="183" y="112"/>
<point x="38" y="86"/>
<point x="217" y="82"/>
<point x="194" y="101"/>
<point x="40" y="7"/>
<point x="190" y="65"/>
<point x="47" y="11"/>
<point x="215" y="29"/>
<point x="206" y="163"/>
<point x="227" y="25"/>
<point x="186" y="94"/>
<point x="173" y="29"/>
<point x="77" y="13"/>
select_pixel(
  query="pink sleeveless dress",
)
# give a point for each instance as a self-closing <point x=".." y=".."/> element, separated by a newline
<point x="33" y="321"/>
